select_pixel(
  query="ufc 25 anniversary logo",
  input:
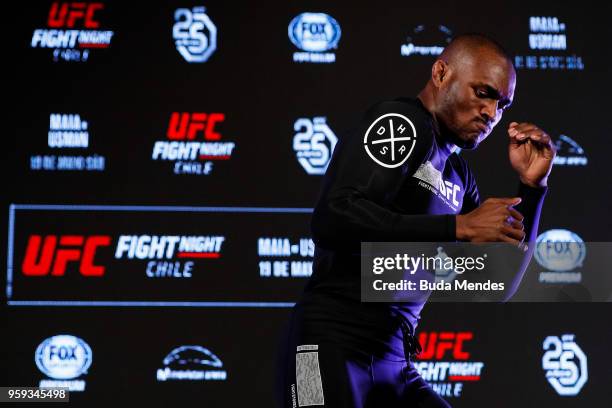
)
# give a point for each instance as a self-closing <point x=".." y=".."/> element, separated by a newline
<point x="195" y="35"/>
<point x="313" y="143"/>
<point x="564" y="364"/>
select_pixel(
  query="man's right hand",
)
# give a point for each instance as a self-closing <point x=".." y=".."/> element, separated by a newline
<point x="494" y="221"/>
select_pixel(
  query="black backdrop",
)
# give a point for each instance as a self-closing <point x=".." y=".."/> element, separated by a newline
<point x="127" y="94"/>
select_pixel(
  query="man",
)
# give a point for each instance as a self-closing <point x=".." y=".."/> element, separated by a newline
<point x="345" y="353"/>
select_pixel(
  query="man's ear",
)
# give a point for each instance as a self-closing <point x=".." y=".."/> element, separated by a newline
<point x="439" y="72"/>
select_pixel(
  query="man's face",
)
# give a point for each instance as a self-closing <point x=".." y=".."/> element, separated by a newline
<point x="474" y="96"/>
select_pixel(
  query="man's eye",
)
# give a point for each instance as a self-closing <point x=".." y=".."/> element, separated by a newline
<point x="481" y="93"/>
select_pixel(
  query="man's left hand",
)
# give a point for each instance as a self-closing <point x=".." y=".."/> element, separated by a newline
<point x="531" y="153"/>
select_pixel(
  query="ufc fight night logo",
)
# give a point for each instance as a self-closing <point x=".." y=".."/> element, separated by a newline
<point x="73" y="28"/>
<point x="189" y="155"/>
<point x="445" y="363"/>
<point x="390" y="139"/>
<point x="165" y="256"/>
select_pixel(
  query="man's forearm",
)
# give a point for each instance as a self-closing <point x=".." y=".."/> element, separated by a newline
<point x="531" y="208"/>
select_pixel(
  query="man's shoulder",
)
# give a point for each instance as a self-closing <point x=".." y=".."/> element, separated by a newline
<point x="409" y="109"/>
<point x="398" y="104"/>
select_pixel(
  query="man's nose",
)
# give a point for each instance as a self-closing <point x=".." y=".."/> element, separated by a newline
<point x="489" y="111"/>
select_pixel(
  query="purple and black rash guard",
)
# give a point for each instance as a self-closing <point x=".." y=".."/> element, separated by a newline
<point x="362" y="200"/>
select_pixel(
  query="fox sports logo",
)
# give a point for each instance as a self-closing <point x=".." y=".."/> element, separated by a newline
<point x="314" y="32"/>
<point x="195" y="35"/>
<point x="560" y="250"/>
<point x="63" y="357"/>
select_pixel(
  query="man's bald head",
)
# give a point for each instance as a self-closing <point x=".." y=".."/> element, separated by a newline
<point x="474" y="46"/>
<point x="471" y="83"/>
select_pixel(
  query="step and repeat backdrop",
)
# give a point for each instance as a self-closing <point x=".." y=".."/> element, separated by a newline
<point x="164" y="159"/>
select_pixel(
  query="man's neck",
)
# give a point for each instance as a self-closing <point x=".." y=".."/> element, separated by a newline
<point x="442" y="140"/>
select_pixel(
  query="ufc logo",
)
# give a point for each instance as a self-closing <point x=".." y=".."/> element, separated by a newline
<point x="449" y="190"/>
<point x="435" y="345"/>
<point x="67" y="14"/>
<point x="186" y="126"/>
<point x="44" y="257"/>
